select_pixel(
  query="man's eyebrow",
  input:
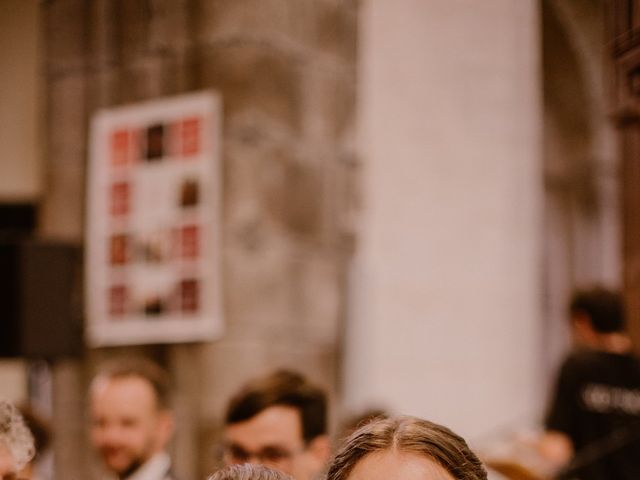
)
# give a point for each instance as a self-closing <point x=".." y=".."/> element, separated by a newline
<point x="272" y="446"/>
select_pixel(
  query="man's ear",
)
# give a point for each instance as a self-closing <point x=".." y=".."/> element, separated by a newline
<point x="320" y="448"/>
<point x="583" y="327"/>
<point x="166" y="426"/>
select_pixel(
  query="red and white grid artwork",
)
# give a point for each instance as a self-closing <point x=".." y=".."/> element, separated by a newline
<point x="153" y="248"/>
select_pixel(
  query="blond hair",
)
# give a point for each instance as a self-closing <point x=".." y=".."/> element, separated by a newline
<point x="411" y="435"/>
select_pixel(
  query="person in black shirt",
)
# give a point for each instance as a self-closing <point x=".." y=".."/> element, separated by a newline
<point x="593" y="422"/>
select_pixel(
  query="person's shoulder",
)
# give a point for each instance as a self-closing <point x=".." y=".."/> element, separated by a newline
<point x="584" y="362"/>
<point x="589" y="361"/>
<point x="628" y="362"/>
<point x="581" y="359"/>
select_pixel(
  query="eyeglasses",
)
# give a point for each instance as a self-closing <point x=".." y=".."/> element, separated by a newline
<point x="269" y="455"/>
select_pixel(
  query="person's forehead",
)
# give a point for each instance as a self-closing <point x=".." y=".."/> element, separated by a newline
<point x="398" y="465"/>
<point x="276" y="425"/>
<point x="123" y="391"/>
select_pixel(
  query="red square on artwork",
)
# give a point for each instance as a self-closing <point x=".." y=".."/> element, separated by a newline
<point x="118" y="299"/>
<point x="120" y="147"/>
<point x="119" y="249"/>
<point x="120" y="198"/>
<point x="189" y="295"/>
<point x="191" y="136"/>
<point x="190" y="240"/>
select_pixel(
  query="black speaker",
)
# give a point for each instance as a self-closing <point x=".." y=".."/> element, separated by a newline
<point x="40" y="299"/>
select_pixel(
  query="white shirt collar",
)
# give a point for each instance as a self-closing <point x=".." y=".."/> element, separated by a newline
<point x="156" y="468"/>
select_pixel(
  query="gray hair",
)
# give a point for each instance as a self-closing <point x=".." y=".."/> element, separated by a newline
<point x="15" y="435"/>
<point x="410" y="435"/>
<point x="249" y="471"/>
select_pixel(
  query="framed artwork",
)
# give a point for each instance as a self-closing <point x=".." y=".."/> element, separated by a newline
<point x="152" y="267"/>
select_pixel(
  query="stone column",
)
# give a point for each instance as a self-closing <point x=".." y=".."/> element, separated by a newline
<point x="286" y="73"/>
<point x="446" y="284"/>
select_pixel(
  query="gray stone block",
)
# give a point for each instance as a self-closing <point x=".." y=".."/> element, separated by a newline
<point x="66" y="113"/>
<point x="231" y="18"/>
<point x="104" y="89"/>
<point x="253" y="77"/>
<point x="147" y="78"/>
<point x="329" y="99"/>
<point x="66" y="32"/>
<point x="304" y="26"/>
<point x="103" y="34"/>
<point x="336" y="31"/>
<point x="62" y="214"/>
<point x="319" y="299"/>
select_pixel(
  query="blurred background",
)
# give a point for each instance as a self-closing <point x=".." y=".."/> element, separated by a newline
<point x="410" y="191"/>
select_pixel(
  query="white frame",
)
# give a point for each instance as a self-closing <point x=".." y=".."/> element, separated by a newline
<point x="139" y="276"/>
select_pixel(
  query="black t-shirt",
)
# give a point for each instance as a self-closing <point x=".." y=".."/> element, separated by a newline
<point x="597" y="404"/>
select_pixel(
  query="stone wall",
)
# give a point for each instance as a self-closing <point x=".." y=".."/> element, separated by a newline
<point x="286" y="72"/>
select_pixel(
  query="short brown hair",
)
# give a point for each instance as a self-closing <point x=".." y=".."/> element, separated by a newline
<point x="412" y="435"/>
<point x="282" y="388"/>
<point x="603" y="307"/>
<point x="143" y="368"/>
<point x="248" y="471"/>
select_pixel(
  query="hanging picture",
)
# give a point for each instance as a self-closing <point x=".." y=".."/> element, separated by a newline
<point x="153" y="221"/>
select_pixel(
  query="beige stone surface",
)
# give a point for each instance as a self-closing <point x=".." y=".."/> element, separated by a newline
<point x="21" y="176"/>
<point x="286" y="73"/>
<point x="62" y="213"/>
<point x="253" y="76"/>
<point x="66" y="40"/>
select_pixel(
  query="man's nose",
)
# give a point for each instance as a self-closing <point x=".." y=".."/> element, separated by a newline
<point x="252" y="458"/>
<point x="255" y="458"/>
<point x="110" y="434"/>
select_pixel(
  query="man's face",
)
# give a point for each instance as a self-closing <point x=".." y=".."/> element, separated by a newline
<point x="274" y="438"/>
<point x="128" y="427"/>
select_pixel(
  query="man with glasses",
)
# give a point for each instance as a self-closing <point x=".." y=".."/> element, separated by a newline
<point x="279" y="421"/>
